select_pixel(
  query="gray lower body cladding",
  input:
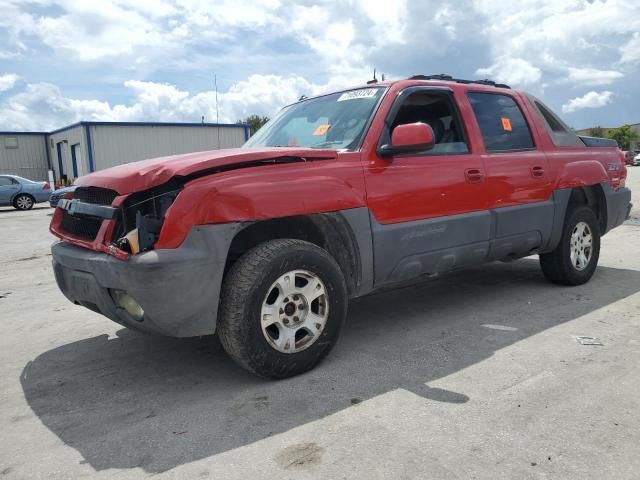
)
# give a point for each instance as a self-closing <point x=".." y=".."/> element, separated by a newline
<point x="618" y="205"/>
<point x="178" y="289"/>
<point x="407" y="250"/>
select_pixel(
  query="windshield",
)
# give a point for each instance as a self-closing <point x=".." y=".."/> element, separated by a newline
<point x="334" y="121"/>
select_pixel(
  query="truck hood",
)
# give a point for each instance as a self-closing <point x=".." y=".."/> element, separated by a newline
<point x="145" y="174"/>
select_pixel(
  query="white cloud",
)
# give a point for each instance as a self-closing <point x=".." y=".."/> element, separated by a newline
<point x="299" y="47"/>
<point x="593" y="76"/>
<point x="8" y="81"/>
<point x="589" y="100"/>
<point x="43" y="106"/>
<point x="512" y="70"/>
<point x="630" y="52"/>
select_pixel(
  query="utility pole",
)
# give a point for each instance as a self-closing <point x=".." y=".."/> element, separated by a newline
<point x="215" y="83"/>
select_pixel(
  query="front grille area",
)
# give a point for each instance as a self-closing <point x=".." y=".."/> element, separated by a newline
<point x="98" y="196"/>
<point x="82" y="227"/>
<point x="87" y="227"/>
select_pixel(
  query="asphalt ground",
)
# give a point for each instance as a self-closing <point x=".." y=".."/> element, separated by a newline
<point x="478" y="374"/>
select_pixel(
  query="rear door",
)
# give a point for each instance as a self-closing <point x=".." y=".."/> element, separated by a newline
<point x="429" y="210"/>
<point x="518" y="177"/>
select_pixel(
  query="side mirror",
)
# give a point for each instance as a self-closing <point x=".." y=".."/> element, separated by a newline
<point x="408" y="138"/>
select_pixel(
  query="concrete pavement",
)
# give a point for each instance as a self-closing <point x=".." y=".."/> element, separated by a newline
<point x="472" y="375"/>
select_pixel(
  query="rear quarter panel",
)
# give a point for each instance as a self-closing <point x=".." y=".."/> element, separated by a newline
<point x="575" y="166"/>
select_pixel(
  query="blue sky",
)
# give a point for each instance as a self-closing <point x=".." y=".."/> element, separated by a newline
<point x="154" y="60"/>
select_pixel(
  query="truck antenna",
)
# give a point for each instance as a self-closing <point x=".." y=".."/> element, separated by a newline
<point x="374" y="80"/>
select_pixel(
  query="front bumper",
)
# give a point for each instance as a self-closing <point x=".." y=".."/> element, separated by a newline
<point x="178" y="289"/>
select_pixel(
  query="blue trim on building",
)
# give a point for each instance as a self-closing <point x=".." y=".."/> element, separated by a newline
<point x="74" y="160"/>
<point x="46" y="149"/>
<point x="23" y="133"/>
<point x="247" y="132"/>
<point x="60" y="167"/>
<point x="148" y="124"/>
<point x="89" y="147"/>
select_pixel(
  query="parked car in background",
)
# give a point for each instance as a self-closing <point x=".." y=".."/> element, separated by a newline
<point x="22" y="193"/>
<point x="636" y="160"/>
<point x="56" y="195"/>
<point x="628" y="157"/>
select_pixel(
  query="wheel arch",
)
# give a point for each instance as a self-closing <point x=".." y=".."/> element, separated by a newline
<point x="594" y="197"/>
<point x="22" y="192"/>
<point x="335" y="232"/>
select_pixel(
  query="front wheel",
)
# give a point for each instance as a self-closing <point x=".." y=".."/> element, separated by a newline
<point x="283" y="305"/>
<point x="575" y="259"/>
<point x="23" y="202"/>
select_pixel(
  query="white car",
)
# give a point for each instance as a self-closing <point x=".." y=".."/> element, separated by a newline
<point x="636" y="160"/>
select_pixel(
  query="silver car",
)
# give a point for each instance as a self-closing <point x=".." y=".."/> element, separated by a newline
<point x="22" y="193"/>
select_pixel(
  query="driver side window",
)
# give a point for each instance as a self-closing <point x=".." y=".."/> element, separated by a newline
<point x="437" y="111"/>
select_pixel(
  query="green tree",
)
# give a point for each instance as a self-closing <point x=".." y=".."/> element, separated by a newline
<point x="255" y="122"/>
<point x="623" y="135"/>
<point x="596" y="132"/>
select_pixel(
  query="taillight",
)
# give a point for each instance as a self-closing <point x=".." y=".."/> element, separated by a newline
<point x="46" y="186"/>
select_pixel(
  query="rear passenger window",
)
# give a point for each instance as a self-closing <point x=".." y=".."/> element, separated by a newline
<point x="550" y="118"/>
<point x="501" y="122"/>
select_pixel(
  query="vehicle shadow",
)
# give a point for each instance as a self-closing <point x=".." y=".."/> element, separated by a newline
<point x="156" y="403"/>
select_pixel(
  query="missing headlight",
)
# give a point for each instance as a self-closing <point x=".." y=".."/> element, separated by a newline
<point x="142" y="217"/>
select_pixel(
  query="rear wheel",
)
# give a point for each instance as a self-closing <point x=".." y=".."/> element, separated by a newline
<point x="283" y="306"/>
<point x="23" y="202"/>
<point x="575" y="259"/>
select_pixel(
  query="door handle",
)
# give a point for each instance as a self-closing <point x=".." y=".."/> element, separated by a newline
<point x="474" y="175"/>
<point x="537" y="171"/>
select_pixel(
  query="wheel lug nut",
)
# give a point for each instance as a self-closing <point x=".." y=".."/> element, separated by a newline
<point x="295" y="298"/>
<point x="296" y="319"/>
<point x="285" y="321"/>
<point x="300" y="307"/>
<point x="286" y="299"/>
<point x="281" y="310"/>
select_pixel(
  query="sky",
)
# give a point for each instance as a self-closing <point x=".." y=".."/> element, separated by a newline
<point x="65" y="61"/>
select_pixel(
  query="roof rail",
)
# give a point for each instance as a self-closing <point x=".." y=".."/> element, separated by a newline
<point x="448" y="78"/>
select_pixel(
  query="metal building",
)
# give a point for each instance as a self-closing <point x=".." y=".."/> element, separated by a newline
<point x="24" y="154"/>
<point x="85" y="147"/>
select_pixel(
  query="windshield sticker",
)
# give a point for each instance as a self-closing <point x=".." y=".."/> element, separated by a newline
<point x="321" y="130"/>
<point x="506" y="124"/>
<point x="354" y="94"/>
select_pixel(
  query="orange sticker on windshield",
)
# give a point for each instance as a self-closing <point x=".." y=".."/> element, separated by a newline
<point x="322" y="130"/>
<point x="506" y="124"/>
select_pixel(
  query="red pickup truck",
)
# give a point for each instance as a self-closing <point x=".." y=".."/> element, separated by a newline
<point x="337" y="196"/>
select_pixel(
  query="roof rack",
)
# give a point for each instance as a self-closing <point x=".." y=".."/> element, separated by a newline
<point x="449" y="78"/>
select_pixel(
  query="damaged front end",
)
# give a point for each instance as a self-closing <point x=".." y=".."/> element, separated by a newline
<point x="141" y="217"/>
<point x="102" y="220"/>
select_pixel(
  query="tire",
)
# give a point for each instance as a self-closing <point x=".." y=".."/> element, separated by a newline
<point x="558" y="266"/>
<point x="256" y="304"/>
<point x="23" y="202"/>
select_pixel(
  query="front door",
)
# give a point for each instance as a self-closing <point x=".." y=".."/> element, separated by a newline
<point x="429" y="210"/>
